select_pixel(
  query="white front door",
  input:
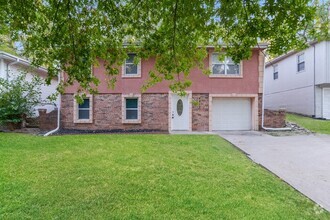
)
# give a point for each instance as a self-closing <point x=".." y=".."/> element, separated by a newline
<point x="179" y="112"/>
<point x="326" y="103"/>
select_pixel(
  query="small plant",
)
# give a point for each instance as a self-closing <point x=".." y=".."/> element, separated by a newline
<point x="18" y="97"/>
<point x="195" y="102"/>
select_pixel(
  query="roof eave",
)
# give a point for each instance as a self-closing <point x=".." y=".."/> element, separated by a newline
<point x="14" y="58"/>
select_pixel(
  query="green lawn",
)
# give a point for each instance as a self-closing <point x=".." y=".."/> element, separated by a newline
<point x="140" y="177"/>
<point x="315" y="125"/>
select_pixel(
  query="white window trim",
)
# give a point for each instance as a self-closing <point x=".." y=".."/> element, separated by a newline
<point x="301" y="62"/>
<point x="123" y="107"/>
<point x="138" y="75"/>
<point x="76" y="111"/>
<point x="276" y="65"/>
<point x="240" y="75"/>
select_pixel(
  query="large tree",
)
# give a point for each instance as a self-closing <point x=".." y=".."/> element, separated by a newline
<point x="71" y="35"/>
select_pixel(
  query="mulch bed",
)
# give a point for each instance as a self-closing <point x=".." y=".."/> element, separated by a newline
<point x="118" y="131"/>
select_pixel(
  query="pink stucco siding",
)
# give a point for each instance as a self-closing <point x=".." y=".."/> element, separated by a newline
<point x="248" y="84"/>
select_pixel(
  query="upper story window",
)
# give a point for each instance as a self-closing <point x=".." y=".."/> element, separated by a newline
<point x="301" y="62"/>
<point x="227" y="67"/>
<point x="275" y="73"/>
<point x="130" y="69"/>
<point x="83" y="111"/>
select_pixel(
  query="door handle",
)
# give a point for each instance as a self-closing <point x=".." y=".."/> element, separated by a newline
<point x="172" y="115"/>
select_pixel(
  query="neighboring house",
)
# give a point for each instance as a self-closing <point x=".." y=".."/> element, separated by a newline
<point x="229" y="99"/>
<point x="11" y="65"/>
<point x="300" y="81"/>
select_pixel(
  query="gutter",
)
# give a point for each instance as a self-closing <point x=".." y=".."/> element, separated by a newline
<point x="10" y="64"/>
<point x="8" y="56"/>
<point x="58" y="112"/>
<point x="263" y="108"/>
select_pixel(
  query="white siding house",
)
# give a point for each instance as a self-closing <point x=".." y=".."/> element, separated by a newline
<point x="11" y="66"/>
<point x="300" y="81"/>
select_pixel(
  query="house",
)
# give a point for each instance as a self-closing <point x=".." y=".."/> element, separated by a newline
<point x="300" y="81"/>
<point x="11" y="65"/>
<point x="228" y="99"/>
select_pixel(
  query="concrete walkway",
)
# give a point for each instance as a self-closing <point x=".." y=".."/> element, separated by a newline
<point x="303" y="161"/>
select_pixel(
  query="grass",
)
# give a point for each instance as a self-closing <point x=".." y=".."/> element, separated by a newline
<point x="314" y="125"/>
<point x="140" y="177"/>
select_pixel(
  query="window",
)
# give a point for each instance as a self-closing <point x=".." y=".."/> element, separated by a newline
<point x="301" y="62"/>
<point x="130" y="69"/>
<point x="131" y="108"/>
<point x="275" y="73"/>
<point x="226" y="67"/>
<point x="83" y="111"/>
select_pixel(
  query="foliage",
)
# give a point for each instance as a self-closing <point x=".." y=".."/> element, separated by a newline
<point x="72" y="35"/>
<point x="314" y="125"/>
<point x="18" y="97"/>
<point x="6" y="45"/>
<point x="140" y="177"/>
<point x="321" y="28"/>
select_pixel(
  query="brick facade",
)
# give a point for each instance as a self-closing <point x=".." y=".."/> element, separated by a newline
<point x="107" y="113"/>
<point x="200" y="112"/>
<point x="47" y="121"/>
<point x="260" y="110"/>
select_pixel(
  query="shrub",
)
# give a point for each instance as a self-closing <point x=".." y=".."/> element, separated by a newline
<point x="18" y="97"/>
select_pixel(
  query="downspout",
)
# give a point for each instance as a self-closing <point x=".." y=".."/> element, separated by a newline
<point x="58" y="111"/>
<point x="263" y="107"/>
<point x="314" y="84"/>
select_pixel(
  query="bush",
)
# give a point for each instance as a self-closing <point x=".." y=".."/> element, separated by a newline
<point x="18" y="97"/>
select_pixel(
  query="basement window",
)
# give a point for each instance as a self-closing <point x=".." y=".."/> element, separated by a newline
<point x="131" y="109"/>
<point x="83" y="111"/>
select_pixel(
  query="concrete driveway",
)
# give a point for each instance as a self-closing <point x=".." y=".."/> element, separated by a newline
<point x="303" y="161"/>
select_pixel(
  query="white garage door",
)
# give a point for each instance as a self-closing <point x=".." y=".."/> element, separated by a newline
<point x="326" y="103"/>
<point x="231" y="114"/>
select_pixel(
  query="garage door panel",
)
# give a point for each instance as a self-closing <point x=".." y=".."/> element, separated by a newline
<point x="231" y="114"/>
<point x="326" y="103"/>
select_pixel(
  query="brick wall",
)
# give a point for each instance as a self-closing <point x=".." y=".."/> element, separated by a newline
<point x="274" y="119"/>
<point x="200" y="112"/>
<point x="260" y="110"/>
<point x="107" y="113"/>
<point x="47" y="121"/>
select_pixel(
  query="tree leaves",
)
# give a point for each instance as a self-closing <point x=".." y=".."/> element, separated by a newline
<point x="71" y="36"/>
